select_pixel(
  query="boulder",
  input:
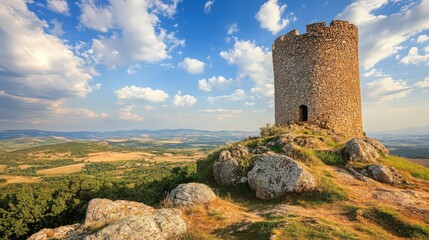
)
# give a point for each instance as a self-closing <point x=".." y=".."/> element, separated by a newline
<point x="227" y="170"/>
<point x="162" y="224"/>
<point x="275" y="175"/>
<point x="74" y="231"/>
<point x="188" y="194"/>
<point x="377" y="145"/>
<point x="291" y="150"/>
<point x="259" y="150"/>
<point x="224" y="155"/>
<point x="239" y="151"/>
<point x="357" y="150"/>
<point x="308" y="142"/>
<point x="103" y="211"/>
<point x="385" y="174"/>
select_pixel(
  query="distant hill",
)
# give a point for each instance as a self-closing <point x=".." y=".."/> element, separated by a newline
<point x="409" y="142"/>
<point x="156" y="134"/>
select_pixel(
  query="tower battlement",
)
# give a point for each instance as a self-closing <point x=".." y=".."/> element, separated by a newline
<point x="316" y="77"/>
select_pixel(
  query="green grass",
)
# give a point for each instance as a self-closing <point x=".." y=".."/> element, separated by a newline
<point x="388" y="219"/>
<point x="330" y="158"/>
<point x="216" y="214"/>
<point x="329" y="192"/>
<point x="395" y="223"/>
<point x="298" y="228"/>
<point x="243" y="231"/>
<point x="414" y="169"/>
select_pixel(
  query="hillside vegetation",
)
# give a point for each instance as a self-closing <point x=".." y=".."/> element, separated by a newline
<point x="342" y="207"/>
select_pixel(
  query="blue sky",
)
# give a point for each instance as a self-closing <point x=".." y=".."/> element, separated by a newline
<point x="151" y="64"/>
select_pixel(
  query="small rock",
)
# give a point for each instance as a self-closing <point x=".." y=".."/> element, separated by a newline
<point x="224" y="155"/>
<point x="239" y="151"/>
<point x="385" y="174"/>
<point x="243" y="180"/>
<point x="285" y="138"/>
<point x="357" y="150"/>
<point x="188" y="194"/>
<point x="307" y="142"/>
<point x="274" y="175"/>
<point x="260" y="150"/>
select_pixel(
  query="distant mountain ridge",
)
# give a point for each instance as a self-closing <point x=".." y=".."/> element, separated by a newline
<point x="121" y="134"/>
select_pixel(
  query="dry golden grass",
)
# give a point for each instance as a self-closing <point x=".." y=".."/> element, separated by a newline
<point x="62" y="170"/>
<point x="2" y="168"/>
<point x="20" y="179"/>
<point x="115" y="156"/>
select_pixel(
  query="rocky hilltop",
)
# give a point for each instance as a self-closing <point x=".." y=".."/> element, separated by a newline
<point x="292" y="182"/>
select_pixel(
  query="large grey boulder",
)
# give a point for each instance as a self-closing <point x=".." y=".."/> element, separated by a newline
<point x="377" y="145"/>
<point x="357" y="150"/>
<point x="385" y="174"/>
<point x="188" y="194"/>
<point x="162" y="224"/>
<point x="227" y="170"/>
<point x="275" y="175"/>
<point x="103" y="211"/>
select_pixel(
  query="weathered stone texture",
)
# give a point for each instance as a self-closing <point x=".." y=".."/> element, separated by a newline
<point x="319" y="69"/>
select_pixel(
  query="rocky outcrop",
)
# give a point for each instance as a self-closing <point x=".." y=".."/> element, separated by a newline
<point x="162" y="224"/>
<point x="385" y="174"/>
<point x="74" y="231"/>
<point x="107" y="219"/>
<point x="275" y="175"/>
<point x="228" y="170"/>
<point x="377" y="145"/>
<point x="188" y="194"/>
<point x="358" y="150"/>
<point x="239" y="151"/>
<point x="103" y="211"/>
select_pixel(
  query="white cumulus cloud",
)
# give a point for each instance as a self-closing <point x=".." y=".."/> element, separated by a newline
<point x="381" y="35"/>
<point x="208" y="6"/>
<point x="386" y="89"/>
<point x="59" y="6"/>
<point x="192" y="66"/>
<point x="423" y="83"/>
<point x="254" y="62"/>
<point x="126" y="113"/>
<point x="139" y="38"/>
<point x="213" y="82"/>
<point x="422" y="38"/>
<point x="184" y="100"/>
<point x="144" y="93"/>
<point x="270" y="16"/>
<point x="233" y="28"/>
<point x="414" y="57"/>
<point x="35" y="63"/>
<point x="237" y="95"/>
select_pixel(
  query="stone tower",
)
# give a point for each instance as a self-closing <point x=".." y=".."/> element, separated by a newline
<point x="316" y="77"/>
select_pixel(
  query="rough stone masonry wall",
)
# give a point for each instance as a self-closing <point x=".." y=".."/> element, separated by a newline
<point x="319" y="69"/>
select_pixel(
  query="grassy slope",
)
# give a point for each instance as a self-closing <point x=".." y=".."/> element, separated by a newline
<point x="332" y="212"/>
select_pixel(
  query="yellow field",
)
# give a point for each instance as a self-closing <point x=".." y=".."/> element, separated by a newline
<point x="62" y="170"/>
<point x="20" y="179"/>
<point x="2" y="167"/>
<point x="114" y="156"/>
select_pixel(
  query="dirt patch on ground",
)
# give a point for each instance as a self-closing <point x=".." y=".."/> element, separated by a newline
<point x="62" y="170"/>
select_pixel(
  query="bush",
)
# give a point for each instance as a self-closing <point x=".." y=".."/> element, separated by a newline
<point x="271" y="130"/>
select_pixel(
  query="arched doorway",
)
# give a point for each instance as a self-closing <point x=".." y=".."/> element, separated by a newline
<point x="303" y="113"/>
